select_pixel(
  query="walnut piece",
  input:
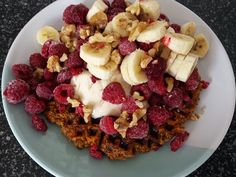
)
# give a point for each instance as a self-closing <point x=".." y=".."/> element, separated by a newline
<point x="170" y="83"/>
<point x="121" y="124"/>
<point x="68" y="29"/>
<point x="135" y="29"/>
<point x="152" y="52"/>
<point x="85" y="31"/>
<point x="165" y="53"/>
<point x="134" y="8"/>
<point x="74" y="102"/>
<point x="38" y="73"/>
<point x="194" y="116"/>
<point x="137" y="96"/>
<point x="136" y="116"/>
<point x="145" y="61"/>
<point x="116" y="57"/>
<point x="98" y="37"/>
<point x="53" y="64"/>
<point x="87" y="110"/>
<point x="64" y="57"/>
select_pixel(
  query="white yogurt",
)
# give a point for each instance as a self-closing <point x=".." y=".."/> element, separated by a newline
<point x="90" y="93"/>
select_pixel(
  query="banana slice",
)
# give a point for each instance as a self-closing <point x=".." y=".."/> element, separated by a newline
<point x="187" y="67"/>
<point x="154" y="32"/>
<point x="124" y="72"/>
<point x="178" y="43"/>
<point x="108" y="28"/>
<point x="150" y="9"/>
<point x="171" y="60"/>
<point x="103" y="72"/>
<point x="47" y="33"/>
<point x="97" y="54"/>
<point x="174" y="67"/>
<point x="201" y="45"/>
<point x="188" y="28"/>
<point x="98" y="6"/>
<point x="170" y="30"/>
<point x="121" y="21"/>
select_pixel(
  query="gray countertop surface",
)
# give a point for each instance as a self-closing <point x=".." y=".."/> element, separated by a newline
<point x="220" y="15"/>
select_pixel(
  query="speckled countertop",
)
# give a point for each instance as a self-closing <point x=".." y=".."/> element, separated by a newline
<point x="220" y="15"/>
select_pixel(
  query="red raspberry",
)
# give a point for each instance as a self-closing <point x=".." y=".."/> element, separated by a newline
<point x="79" y="13"/>
<point x="36" y="60"/>
<point x="79" y="110"/>
<point x="129" y="105"/>
<point x="158" y="115"/>
<point x="114" y="93"/>
<point x="74" y="60"/>
<point x="113" y="12"/>
<point x="45" y="48"/>
<point x="44" y="91"/>
<point x="34" y="105"/>
<point x="33" y="82"/>
<point x="205" y="84"/>
<point x="155" y="100"/>
<point x="156" y="69"/>
<point x="193" y="81"/>
<point x="139" y="131"/>
<point x="58" y="49"/>
<point x="80" y="43"/>
<point x="174" y="99"/>
<point x="157" y="85"/>
<point x="67" y="14"/>
<point x="178" y="141"/>
<point x="107" y="3"/>
<point x="22" y="71"/>
<point x="49" y="75"/>
<point x="176" y="27"/>
<point x="38" y="123"/>
<point x="61" y="108"/>
<point x="16" y="91"/>
<point x="64" y="76"/>
<point x="164" y="17"/>
<point x="143" y="89"/>
<point x="94" y="79"/>
<point x="145" y="46"/>
<point x="76" y="71"/>
<point x="118" y="4"/>
<point x="63" y="91"/>
<point x="95" y="152"/>
<point x="106" y="124"/>
<point x="126" y="47"/>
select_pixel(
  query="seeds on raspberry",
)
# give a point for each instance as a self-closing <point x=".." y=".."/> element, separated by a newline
<point x="38" y="123"/>
<point x="139" y="131"/>
<point x="79" y="13"/>
<point x="74" y="60"/>
<point x="106" y="124"/>
<point x="36" y="60"/>
<point x="143" y="89"/>
<point x="64" y="76"/>
<point x="67" y="14"/>
<point x="63" y="91"/>
<point x="57" y="49"/>
<point x="16" y="91"/>
<point x="114" y="93"/>
<point x="95" y="152"/>
<point x="126" y="47"/>
<point x="129" y="105"/>
<point x="178" y="141"/>
<point x="34" y="105"/>
<point x="44" y="91"/>
<point x="174" y="99"/>
<point x="22" y="71"/>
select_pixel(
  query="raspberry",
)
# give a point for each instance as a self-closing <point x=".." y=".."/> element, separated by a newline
<point x="45" y="48"/>
<point x="145" y="46"/>
<point x="113" y="12"/>
<point x="139" y="131"/>
<point x="63" y="91"/>
<point x="61" y="108"/>
<point x="34" y="105"/>
<point x="158" y="115"/>
<point x="174" y="99"/>
<point x="155" y="100"/>
<point x="22" y="71"/>
<point x="114" y="93"/>
<point x="193" y="81"/>
<point x="94" y="79"/>
<point x="80" y="43"/>
<point x="126" y="47"/>
<point x="129" y="105"/>
<point x="38" y="123"/>
<point x="58" y="49"/>
<point x="118" y="4"/>
<point x="44" y="91"/>
<point x="143" y="89"/>
<point x="176" y="27"/>
<point x="74" y="60"/>
<point x="79" y="110"/>
<point x="157" y="85"/>
<point x="107" y="2"/>
<point x="33" y="82"/>
<point x="95" y="152"/>
<point x="16" y="91"/>
<point x="156" y="69"/>
<point x="178" y="141"/>
<point x="64" y="76"/>
<point x="164" y="17"/>
<point x="67" y="14"/>
<point x="106" y="124"/>
<point x="76" y="71"/>
<point x="79" y="13"/>
<point x="205" y="84"/>
<point x="36" y="60"/>
<point x="49" y="75"/>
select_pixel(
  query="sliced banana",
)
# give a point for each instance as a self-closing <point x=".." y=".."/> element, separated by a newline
<point x="170" y="30"/>
<point x="201" y="45"/>
<point x="108" y="28"/>
<point x="154" y="32"/>
<point x="150" y="9"/>
<point x="188" y="28"/>
<point x="171" y="60"/>
<point x="98" y="6"/>
<point x="121" y="21"/>
<point x="187" y="67"/>
<point x="124" y="72"/>
<point x="47" y="33"/>
<point x="103" y="72"/>
<point x="179" y="43"/>
<point x="97" y="54"/>
<point x="174" y="67"/>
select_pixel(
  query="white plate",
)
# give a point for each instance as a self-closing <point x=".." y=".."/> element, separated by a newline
<point x="55" y="154"/>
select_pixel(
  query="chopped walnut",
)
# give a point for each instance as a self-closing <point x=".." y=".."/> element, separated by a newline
<point x="116" y="57"/>
<point x="64" y="57"/>
<point x="157" y="45"/>
<point x="87" y="110"/>
<point x="99" y="20"/>
<point x="194" y="116"/>
<point x="136" y="116"/>
<point x="65" y="38"/>
<point x="134" y="8"/>
<point x="170" y="83"/>
<point x="98" y="37"/>
<point x="145" y="61"/>
<point x="53" y="64"/>
<point x="137" y="96"/>
<point x="136" y="29"/>
<point x="38" y="73"/>
<point x="74" y="102"/>
<point x="68" y="29"/>
<point x="152" y="52"/>
<point x="121" y="124"/>
<point x="165" y="53"/>
<point x="139" y="104"/>
<point x="85" y="31"/>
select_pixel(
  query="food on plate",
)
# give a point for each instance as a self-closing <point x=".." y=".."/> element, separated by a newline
<point x="118" y="78"/>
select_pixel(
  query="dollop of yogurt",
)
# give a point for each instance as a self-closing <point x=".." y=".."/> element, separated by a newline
<point x="90" y="93"/>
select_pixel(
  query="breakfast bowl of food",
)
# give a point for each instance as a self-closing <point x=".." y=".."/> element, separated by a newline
<point x="118" y="88"/>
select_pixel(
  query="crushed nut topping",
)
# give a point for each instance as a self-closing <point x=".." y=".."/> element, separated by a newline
<point x="152" y="52"/>
<point x="137" y="96"/>
<point x="98" y="37"/>
<point x="121" y="124"/>
<point x="157" y="45"/>
<point x="170" y="83"/>
<point x="136" y="116"/>
<point x="136" y="29"/>
<point x="99" y="20"/>
<point x="74" y="102"/>
<point x="53" y="64"/>
<point x="38" y="73"/>
<point x="116" y="57"/>
<point x="194" y="116"/>
<point x="87" y="110"/>
<point x="134" y="8"/>
<point x="85" y="31"/>
<point x="64" y="57"/>
<point x="145" y="61"/>
<point x="68" y="29"/>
